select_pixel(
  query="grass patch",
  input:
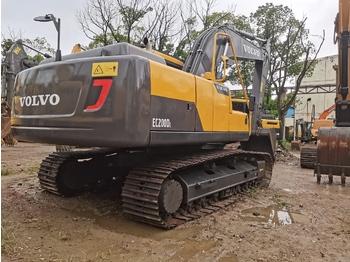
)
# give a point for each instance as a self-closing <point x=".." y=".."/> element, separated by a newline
<point x="5" y="172"/>
<point x="7" y="237"/>
<point x="253" y="193"/>
<point x="285" y="144"/>
<point x="33" y="169"/>
<point x="279" y="201"/>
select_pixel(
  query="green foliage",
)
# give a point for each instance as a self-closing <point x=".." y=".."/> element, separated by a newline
<point x="290" y="51"/>
<point x="218" y="18"/>
<point x="270" y="105"/>
<point x="285" y="144"/>
<point x="5" y="172"/>
<point x="238" y="94"/>
<point x="246" y="69"/>
<point x="5" y="46"/>
<point x="39" y="43"/>
<point x="288" y="38"/>
<point x="33" y="169"/>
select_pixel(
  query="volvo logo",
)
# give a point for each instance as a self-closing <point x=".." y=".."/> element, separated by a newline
<point x="251" y="50"/>
<point x="39" y="100"/>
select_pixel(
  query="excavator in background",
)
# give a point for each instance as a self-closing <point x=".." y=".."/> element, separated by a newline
<point x="303" y="130"/>
<point x="159" y="128"/>
<point x="15" y="61"/>
<point x="322" y="121"/>
<point x="270" y="121"/>
<point x="333" y="144"/>
<point x="327" y="112"/>
<point x="309" y="134"/>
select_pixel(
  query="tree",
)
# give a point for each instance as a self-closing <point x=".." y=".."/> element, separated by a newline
<point x="6" y="43"/>
<point x="98" y="20"/>
<point x="162" y="30"/>
<point x="204" y="12"/>
<point x="132" y="11"/>
<point x="40" y="44"/>
<point x="293" y="55"/>
<point x="8" y="38"/>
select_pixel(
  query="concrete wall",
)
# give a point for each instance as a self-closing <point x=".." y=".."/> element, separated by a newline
<point x="320" y="102"/>
<point x="323" y="72"/>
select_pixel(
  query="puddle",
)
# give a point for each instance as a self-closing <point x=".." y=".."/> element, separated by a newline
<point x="273" y="215"/>
<point x="118" y="223"/>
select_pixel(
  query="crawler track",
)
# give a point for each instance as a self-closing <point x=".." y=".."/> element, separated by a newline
<point x="308" y="156"/>
<point x="68" y="173"/>
<point x="143" y="186"/>
<point x="52" y="169"/>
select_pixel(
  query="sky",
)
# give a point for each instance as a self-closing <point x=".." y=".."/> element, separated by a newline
<point x="18" y="16"/>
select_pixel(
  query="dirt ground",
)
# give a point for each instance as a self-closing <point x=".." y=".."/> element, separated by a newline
<point x="293" y="220"/>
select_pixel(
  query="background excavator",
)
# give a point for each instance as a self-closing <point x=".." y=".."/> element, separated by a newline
<point x="333" y="144"/>
<point x="15" y="61"/>
<point x="158" y="127"/>
<point x="308" y="135"/>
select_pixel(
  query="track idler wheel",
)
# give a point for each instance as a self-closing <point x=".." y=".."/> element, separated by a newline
<point x="170" y="197"/>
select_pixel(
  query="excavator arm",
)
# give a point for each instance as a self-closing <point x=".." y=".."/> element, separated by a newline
<point x="333" y="145"/>
<point x="342" y="38"/>
<point x="326" y="112"/>
<point x="15" y="61"/>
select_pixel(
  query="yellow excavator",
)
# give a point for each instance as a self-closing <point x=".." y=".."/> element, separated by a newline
<point x="158" y="127"/>
<point x="333" y="144"/>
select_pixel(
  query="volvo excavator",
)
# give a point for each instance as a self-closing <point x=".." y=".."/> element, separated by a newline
<point x="15" y="61"/>
<point x="157" y="127"/>
<point x="333" y="144"/>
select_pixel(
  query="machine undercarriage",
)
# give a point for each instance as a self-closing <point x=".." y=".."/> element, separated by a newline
<point x="163" y="191"/>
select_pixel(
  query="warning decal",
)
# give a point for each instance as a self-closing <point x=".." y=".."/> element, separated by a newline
<point x="17" y="50"/>
<point x="104" y="69"/>
<point x="98" y="70"/>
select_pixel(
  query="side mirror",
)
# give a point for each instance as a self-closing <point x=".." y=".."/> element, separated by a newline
<point x="251" y="103"/>
<point x="209" y="76"/>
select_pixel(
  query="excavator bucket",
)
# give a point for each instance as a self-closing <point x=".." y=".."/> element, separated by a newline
<point x="6" y="136"/>
<point x="5" y="126"/>
<point x="333" y="153"/>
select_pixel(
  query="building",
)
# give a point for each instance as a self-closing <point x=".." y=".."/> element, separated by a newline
<point x="317" y="92"/>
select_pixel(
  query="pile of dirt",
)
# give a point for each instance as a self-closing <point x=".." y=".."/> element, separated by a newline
<point x="283" y="155"/>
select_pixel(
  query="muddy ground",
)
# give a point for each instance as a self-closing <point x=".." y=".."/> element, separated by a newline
<point x="293" y="220"/>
